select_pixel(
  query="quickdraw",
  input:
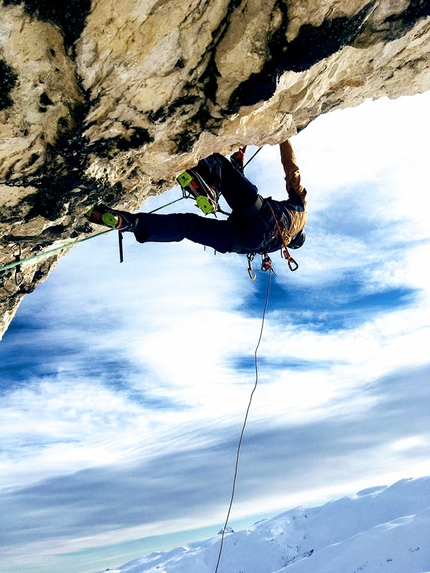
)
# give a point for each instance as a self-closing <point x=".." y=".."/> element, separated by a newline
<point x="266" y="265"/>
<point x="266" y="261"/>
<point x="251" y="273"/>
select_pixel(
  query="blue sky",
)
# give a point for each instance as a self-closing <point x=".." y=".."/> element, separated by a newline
<point x="124" y="386"/>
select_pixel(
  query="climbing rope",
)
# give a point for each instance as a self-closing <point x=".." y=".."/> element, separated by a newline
<point x="239" y="447"/>
<point x="50" y="252"/>
<point x="71" y="244"/>
<point x="249" y="160"/>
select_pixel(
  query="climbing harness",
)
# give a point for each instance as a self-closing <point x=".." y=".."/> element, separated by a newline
<point x="239" y="446"/>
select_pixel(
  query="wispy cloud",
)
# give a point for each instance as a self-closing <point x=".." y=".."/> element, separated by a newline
<point x="124" y="387"/>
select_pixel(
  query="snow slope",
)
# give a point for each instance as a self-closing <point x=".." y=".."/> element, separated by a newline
<point x="379" y="530"/>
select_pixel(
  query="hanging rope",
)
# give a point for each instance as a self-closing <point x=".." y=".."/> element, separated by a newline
<point x="71" y="244"/>
<point x="249" y="160"/>
<point x="236" y="469"/>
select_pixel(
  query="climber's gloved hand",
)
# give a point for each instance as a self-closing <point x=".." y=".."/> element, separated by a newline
<point x="238" y="159"/>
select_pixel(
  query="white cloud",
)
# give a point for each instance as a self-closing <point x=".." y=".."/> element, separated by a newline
<point x="154" y="358"/>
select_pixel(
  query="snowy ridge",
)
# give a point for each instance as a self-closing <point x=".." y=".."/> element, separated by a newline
<point x="384" y="529"/>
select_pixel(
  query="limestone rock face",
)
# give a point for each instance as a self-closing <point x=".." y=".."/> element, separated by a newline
<point x="107" y="100"/>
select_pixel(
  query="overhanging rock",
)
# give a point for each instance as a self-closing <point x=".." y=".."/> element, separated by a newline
<point x="109" y="100"/>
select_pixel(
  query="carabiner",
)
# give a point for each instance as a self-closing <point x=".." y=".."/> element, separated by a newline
<point x="292" y="264"/>
<point x="251" y="273"/>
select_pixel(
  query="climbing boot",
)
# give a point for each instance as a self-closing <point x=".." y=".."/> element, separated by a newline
<point x="193" y="183"/>
<point x="119" y="220"/>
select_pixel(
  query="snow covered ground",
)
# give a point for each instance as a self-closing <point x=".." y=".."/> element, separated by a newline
<point x="379" y="530"/>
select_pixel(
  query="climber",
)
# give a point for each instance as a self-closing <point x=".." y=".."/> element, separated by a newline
<point x="255" y="225"/>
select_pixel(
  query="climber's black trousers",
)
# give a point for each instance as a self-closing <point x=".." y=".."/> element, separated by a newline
<point x="239" y="233"/>
<point x="178" y="226"/>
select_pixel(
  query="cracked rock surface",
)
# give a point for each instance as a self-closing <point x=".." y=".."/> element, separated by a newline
<point x="108" y="101"/>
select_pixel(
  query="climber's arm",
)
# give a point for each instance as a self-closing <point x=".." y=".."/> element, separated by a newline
<point x="292" y="174"/>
